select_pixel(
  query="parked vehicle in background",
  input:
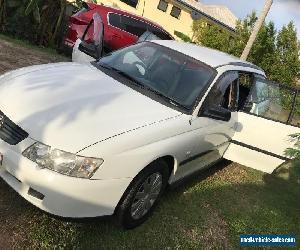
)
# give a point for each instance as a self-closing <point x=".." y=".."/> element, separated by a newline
<point x="89" y="51"/>
<point x="120" y="28"/>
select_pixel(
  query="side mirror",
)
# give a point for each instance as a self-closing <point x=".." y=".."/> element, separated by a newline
<point x="217" y="113"/>
<point x="89" y="49"/>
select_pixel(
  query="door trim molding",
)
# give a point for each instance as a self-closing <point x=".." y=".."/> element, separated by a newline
<point x="259" y="150"/>
<point x="195" y="157"/>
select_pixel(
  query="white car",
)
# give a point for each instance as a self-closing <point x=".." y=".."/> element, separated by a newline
<point x="86" y="140"/>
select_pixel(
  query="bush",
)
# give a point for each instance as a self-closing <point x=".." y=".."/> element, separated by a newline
<point x="42" y="24"/>
<point x="182" y="36"/>
<point x="294" y="152"/>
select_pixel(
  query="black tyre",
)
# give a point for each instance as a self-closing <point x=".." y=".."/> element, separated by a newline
<point x="143" y="194"/>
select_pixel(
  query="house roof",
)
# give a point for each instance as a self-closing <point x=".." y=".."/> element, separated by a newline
<point x="217" y="13"/>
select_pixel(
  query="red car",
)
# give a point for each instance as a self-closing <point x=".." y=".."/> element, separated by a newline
<point x="120" y="28"/>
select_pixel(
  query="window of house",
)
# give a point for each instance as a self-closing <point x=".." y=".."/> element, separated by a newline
<point x="175" y="12"/>
<point x="132" y="3"/>
<point x="162" y="5"/>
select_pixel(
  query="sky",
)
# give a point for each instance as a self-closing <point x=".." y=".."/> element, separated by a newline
<point x="281" y="12"/>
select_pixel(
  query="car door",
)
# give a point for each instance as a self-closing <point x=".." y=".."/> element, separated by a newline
<point x="214" y="126"/>
<point x="86" y="49"/>
<point x="269" y="116"/>
<point x="124" y="30"/>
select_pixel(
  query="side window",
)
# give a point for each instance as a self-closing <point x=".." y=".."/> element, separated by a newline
<point x="127" y="24"/>
<point x="159" y="33"/>
<point x="134" y="26"/>
<point x="245" y="83"/>
<point x="115" y="20"/>
<point x="295" y="116"/>
<point x="270" y="100"/>
<point x="225" y="92"/>
<point x="132" y="3"/>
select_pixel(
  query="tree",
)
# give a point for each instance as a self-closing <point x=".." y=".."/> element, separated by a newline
<point x="38" y="21"/>
<point x="211" y="36"/>
<point x="277" y="53"/>
<point x="256" y="29"/>
<point x="288" y="52"/>
<point x="294" y="152"/>
<point x="263" y="52"/>
<point x="214" y="37"/>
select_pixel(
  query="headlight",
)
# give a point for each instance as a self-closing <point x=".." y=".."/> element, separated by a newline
<point x="61" y="161"/>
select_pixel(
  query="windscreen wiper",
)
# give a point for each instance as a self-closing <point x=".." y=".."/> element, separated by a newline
<point x="168" y="99"/>
<point x="122" y="73"/>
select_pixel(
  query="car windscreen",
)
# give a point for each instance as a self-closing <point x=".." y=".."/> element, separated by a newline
<point x="169" y="73"/>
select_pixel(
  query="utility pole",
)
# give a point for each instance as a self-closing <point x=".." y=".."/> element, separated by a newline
<point x="256" y="29"/>
<point x="144" y="8"/>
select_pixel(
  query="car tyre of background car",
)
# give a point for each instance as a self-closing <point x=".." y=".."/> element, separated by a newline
<point x="144" y="192"/>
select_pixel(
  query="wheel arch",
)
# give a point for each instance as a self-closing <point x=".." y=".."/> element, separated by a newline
<point x="168" y="159"/>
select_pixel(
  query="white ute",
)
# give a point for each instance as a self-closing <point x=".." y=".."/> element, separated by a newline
<point x="86" y="140"/>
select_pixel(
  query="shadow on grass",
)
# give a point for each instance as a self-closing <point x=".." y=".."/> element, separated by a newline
<point x="210" y="211"/>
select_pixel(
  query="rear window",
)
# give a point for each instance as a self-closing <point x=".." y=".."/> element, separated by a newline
<point x="128" y="24"/>
<point x="134" y="26"/>
<point x="159" y="33"/>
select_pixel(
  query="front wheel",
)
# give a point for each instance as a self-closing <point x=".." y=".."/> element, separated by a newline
<point x="143" y="194"/>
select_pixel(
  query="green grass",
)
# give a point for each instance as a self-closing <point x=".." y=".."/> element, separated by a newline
<point x="209" y="212"/>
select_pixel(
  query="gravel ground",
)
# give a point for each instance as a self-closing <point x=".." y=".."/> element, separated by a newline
<point x="13" y="56"/>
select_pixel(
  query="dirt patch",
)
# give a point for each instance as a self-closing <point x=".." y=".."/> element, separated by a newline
<point x="233" y="174"/>
<point x="212" y="234"/>
<point x="215" y="235"/>
<point x="14" y="56"/>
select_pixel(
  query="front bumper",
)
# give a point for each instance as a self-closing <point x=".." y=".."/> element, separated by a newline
<point x="60" y="195"/>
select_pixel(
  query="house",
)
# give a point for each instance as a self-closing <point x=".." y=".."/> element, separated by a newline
<point x="178" y="15"/>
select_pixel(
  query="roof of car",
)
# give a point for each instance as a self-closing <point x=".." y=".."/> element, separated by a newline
<point x="211" y="57"/>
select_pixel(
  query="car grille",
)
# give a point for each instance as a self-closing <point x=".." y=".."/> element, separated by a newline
<point x="10" y="132"/>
